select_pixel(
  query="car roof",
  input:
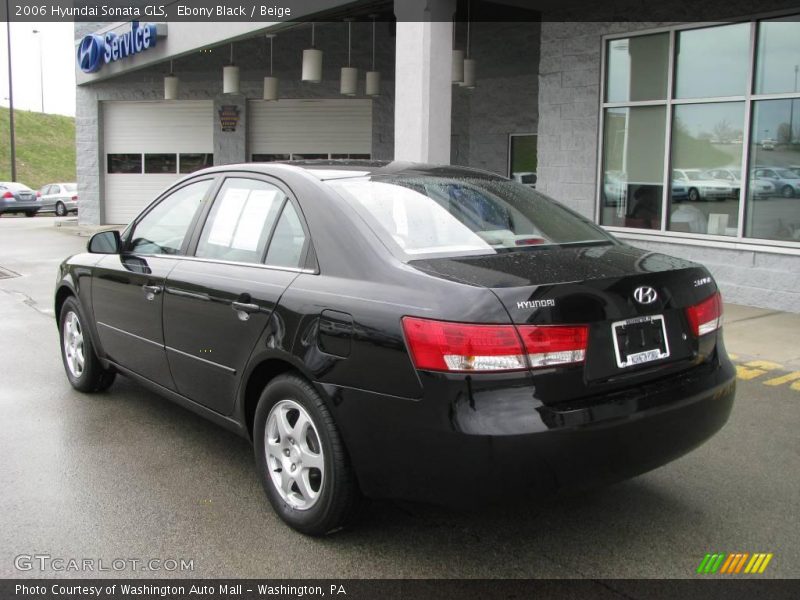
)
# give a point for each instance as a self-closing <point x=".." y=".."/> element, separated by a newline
<point x="327" y="170"/>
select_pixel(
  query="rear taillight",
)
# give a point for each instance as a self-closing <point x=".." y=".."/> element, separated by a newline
<point x="8" y="195"/>
<point x="446" y="346"/>
<point x="75" y="198"/>
<point x="38" y="194"/>
<point x="549" y="345"/>
<point x="705" y="317"/>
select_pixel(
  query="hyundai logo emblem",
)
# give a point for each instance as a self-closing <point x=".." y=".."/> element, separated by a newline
<point x="90" y="53"/>
<point x="645" y="295"/>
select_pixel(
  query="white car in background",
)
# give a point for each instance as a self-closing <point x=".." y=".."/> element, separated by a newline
<point x="702" y="187"/>
<point x="60" y="198"/>
<point x="760" y="188"/>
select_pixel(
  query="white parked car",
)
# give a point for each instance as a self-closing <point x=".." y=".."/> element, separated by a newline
<point x="760" y="188"/>
<point x="60" y="198"/>
<point x="702" y="187"/>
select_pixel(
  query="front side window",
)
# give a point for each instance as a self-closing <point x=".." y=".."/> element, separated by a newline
<point x="241" y="220"/>
<point x="453" y="216"/>
<point x="163" y="229"/>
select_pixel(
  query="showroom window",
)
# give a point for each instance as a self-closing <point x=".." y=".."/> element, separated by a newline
<point x="701" y="132"/>
<point x="307" y="156"/>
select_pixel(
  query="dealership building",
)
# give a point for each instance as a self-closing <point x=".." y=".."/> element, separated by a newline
<point x="678" y="130"/>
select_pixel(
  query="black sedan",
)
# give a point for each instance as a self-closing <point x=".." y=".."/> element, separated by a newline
<point x="18" y="198"/>
<point x="393" y="330"/>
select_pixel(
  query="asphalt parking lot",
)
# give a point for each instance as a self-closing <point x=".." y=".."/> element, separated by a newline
<point x="125" y="474"/>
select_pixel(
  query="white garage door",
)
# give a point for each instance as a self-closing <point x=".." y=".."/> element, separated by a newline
<point x="324" y="128"/>
<point x="147" y="146"/>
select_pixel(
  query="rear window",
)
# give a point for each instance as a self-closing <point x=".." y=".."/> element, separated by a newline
<point x="71" y="187"/>
<point x="443" y="216"/>
<point x="15" y="187"/>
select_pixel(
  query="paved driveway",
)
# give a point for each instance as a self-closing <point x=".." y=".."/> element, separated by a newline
<point x="128" y="475"/>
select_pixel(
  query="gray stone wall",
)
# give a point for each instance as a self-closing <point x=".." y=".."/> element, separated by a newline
<point x="505" y="98"/>
<point x="569" y="105"/>
<point x="201" y="79"/>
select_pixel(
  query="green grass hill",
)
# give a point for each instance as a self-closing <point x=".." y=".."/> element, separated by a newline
<point x="45" y="148"/>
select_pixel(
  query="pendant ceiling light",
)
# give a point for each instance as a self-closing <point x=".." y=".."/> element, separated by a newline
<point x="270" y="83"/>
<point x="230" y="77"/>
<point x="469" y="63"/>
<point x="373" y="76"/>
<point x="312" y="61"/>
<point x="349" y="78"/>
<point x="170" y="85"/>
<point x="458" y="60"/>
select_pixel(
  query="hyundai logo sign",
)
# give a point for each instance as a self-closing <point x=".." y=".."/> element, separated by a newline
<point x="645" y="295"/>
<point x="95" y="50"/>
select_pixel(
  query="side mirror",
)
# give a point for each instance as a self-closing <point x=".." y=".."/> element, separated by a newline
<point x="105" y="242"/>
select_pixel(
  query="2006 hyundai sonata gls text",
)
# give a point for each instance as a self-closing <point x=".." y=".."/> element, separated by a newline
<point x="397" y="330"/>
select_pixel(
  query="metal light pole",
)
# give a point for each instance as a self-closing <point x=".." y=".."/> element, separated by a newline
<point x="41" y="66"/>
<point x="791" y="106"/>
<point x="11" y="102"/>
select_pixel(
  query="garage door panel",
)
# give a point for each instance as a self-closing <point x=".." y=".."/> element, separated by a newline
<point x="126" y="195"/>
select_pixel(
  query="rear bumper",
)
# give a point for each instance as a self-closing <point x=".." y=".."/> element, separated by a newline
<point x="456" y="452"/>
<point x="19" y="207"/>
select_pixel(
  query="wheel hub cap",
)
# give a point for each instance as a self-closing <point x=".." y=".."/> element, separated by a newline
<point x="294" y="455"/>
<point x="73" y="344"/>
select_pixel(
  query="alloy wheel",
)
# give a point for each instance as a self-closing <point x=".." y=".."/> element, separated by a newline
<point x="294" y="454"/>
<point x="73" y="344"/>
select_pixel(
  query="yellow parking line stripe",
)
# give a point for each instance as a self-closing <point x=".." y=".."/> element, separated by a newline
<point x="767" y="365"/>
<point x="783" y="378"/>
<point x="743" y="372"/>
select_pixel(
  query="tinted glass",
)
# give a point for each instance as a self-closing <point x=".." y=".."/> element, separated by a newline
<point x="778" y="56"/>
<point x="637" y="68"/>
<point x="522" y="156"/>
<point x="309" y="156"/>
<point x="286" y="247"/>
<point x="773" y="198"/>
<point x="633" y="167"/>
<point x="16" y="187"/>
<point x="124" y="163"/>
<point x="71" y="187"/>
<point x="705" y="139"/>
<point x="189" y="163"/>
<point x="160" y="163"/>
<point x="712" y="62"/>
<point x="449" y="216"/>
<point x="163" y="229"/>
<point x="270" y="157"/>
<point x="238" y="227"/>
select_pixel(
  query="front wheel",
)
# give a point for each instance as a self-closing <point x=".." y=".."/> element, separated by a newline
<point x="83" y="368"/>
<point x="787" y="191"/>
<point x="301" y="460"/>
<point x="694" y="195"/>
<point x="61" y="210"/>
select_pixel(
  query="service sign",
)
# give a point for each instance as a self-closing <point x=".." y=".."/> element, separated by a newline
<point x="95" y="50"/>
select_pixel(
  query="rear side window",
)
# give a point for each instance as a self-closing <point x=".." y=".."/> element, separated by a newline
<point x="443" y="216"/>
<point x="241" y="220"/>
<point x="286" y="247"/>
<point x="163" y="229"/>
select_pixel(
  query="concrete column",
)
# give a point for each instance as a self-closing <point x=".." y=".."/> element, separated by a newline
<point x="423" y="90"/>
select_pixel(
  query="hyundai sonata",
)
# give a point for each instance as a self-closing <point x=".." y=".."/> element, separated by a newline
<point x="393" y="330"/>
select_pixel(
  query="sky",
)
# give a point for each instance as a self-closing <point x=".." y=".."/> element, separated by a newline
<point x="58" y="62"/>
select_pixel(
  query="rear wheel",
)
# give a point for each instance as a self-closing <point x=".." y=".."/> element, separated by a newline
<point x="83" y="368"/>
<point x="694" y="195"/>
<point x="61" y="210"/>
<point x="301" y="459"/>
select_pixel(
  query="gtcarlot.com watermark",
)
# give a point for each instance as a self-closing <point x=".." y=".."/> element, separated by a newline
<point x="47" y="563"/>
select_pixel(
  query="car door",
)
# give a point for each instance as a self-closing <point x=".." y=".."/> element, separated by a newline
<point x="47" y="199"/>
<point x="218" y="302"/>
<point x="127" y="288"/>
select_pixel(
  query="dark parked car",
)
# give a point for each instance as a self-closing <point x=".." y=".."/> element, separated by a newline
<point x="404" y="331"/>
<point x="17" y="198"/>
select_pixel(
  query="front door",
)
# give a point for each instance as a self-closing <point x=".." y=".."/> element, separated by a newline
<point x="127" y="289"/>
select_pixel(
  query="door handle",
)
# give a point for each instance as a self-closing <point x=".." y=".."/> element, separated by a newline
<point x="151" y="291"/>
<point x="245" y="307"/>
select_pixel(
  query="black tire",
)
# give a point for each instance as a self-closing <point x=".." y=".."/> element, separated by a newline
<point x="339" y="495"/>
<point x="61" y="210"/>
<point x="787" y="191"/>
<point x="30" y="214"/>
<point x="693" y="195"/>
<point x="93" y="377"/>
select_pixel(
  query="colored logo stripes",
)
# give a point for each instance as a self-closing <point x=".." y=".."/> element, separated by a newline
<point x="734" y="563"/>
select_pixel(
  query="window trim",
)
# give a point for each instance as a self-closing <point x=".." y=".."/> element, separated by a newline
<point x="738" y="241"/>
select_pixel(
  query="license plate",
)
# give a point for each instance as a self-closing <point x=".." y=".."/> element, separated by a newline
<point x="640" y="340"/>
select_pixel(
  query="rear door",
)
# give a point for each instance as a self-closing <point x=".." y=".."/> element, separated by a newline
<point x="127" y="288"/>
<point x="218" y="302"/>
